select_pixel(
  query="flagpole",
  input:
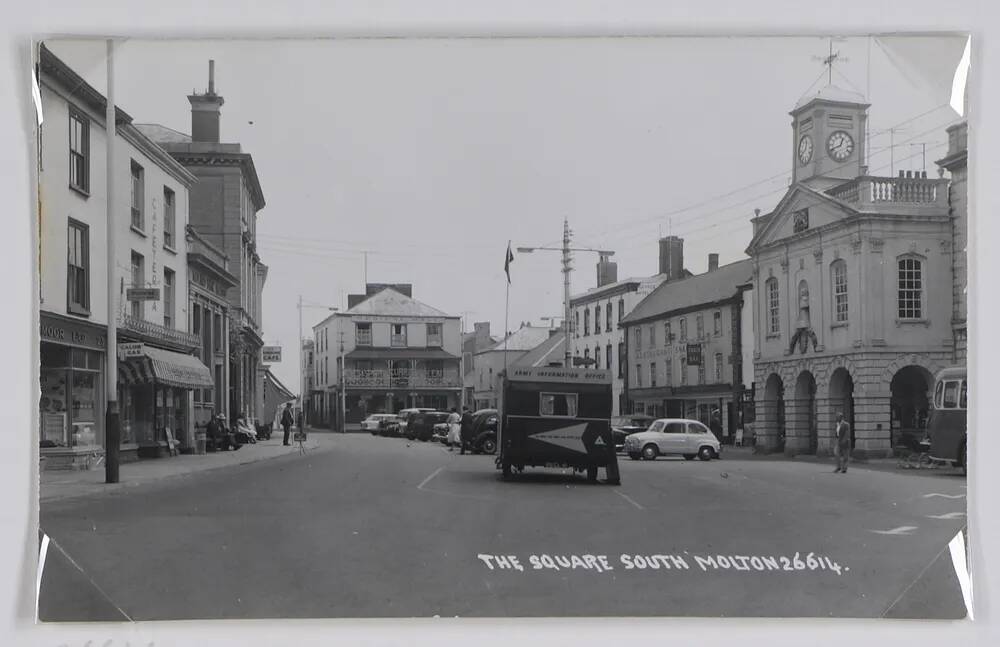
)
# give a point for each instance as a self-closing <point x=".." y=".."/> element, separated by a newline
<point x="506" y="326"/>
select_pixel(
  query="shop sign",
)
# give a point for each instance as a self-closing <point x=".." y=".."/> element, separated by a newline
<point x="694" y="354"/>
<point x="142" y="294"/>
<point x="271" y="354"/>
<point x="72" y="333"/>
<point x="125" y="351"/>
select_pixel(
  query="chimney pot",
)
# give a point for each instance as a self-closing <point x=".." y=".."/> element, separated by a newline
<point x="756" y="213"/>
<point x="902" y="174"/>
<point x="923" y="174"/>
<point x="211" y="77"/>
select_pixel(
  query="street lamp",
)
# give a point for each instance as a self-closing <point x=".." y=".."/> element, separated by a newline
<point x="567" y="268"/>
<point x="302" y="370"/>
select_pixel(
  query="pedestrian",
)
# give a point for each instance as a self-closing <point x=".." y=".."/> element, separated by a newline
<point x="214" y="431"/>
<point x="843" y="434"/>
<point x="286" y="421"/>
<point x="454" y="429"/>
<point x="465" y="430"/>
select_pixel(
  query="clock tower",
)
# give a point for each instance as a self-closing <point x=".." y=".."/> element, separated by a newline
<point x="828" y="137"/>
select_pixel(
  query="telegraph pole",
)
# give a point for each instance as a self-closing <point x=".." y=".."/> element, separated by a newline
<point x="112" y="420"/>
<point x="343" y="383"/>
<point x="302" y="370"/>
<point x="567" y="260"/>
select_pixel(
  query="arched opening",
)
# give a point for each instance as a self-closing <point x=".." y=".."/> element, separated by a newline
<point x="842" y="397"/>
<point x="909" y="405"/>
<point x="774" y="409"/>
<point x="806" y="426"/>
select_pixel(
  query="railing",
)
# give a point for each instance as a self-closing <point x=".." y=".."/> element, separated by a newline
<point x="882" y="191"/>
<point x="148" y="328"/>
<point x="363" y="338"/>
<point x="401" y="377"/>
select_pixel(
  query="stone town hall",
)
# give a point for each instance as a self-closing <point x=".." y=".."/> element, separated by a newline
<point x="858" y="287"/>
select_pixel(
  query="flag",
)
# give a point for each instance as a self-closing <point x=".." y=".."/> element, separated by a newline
<point x="506" y="263"/>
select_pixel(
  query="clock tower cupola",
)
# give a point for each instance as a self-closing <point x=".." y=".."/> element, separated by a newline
<point x="828" y="137"/>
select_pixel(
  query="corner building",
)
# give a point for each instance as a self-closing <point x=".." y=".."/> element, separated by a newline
<point x="853" y="290"/>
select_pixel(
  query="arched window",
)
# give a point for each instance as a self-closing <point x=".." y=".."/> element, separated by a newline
<point x="586" y="322"/>
<point x="586" y="353"/>
<point x="576" y="322"/>
<point x="608" y="327"/>
<point x="608" y="357"/>
<point x="911" y="288"/>
<point x="597" y="319"/>
<point x="838" y="279"/>
<point x="597" y="357"/>
<point x="773" y="306"/>
<point x="621" y="310"/>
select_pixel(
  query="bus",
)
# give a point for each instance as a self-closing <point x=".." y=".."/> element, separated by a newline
<point x="947" y="424"/>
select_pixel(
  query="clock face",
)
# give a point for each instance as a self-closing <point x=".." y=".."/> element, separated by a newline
<point x="805" y="149"/>
<point x="840" y="145"/>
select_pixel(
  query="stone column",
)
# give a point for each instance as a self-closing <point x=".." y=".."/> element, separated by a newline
<point x="826" y="412"/>
<point x="872" y="425"/>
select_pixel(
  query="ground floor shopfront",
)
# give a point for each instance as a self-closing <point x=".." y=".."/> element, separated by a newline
<point x="362" y="403"/>
<point x="714" y="405"/>
<point x="884" y="396"/>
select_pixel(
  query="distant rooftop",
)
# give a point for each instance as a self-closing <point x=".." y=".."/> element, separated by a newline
<point x="162" y="134"/>
<point x="523" y="339"/>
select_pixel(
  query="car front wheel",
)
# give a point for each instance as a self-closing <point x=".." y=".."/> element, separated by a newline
<point x="706" y="454"/>
<point x="489" y="446"/>
<point x="650" y="452"/>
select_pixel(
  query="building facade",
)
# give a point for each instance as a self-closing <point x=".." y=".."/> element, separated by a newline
<point x="956" y="163"/>
<point x="473" y="342"/>
<point x="396" y="352"/>
<point x="157" y="379"/>
<point x="491" y="363"/>
<point x="225" y="203"/>
<point x="308" y="381"/>
<point x="853" y="285"/>
<point x="209" y="282"/>
<point x="685" y="348"/>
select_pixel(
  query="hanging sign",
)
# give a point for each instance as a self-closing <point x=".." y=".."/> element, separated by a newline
<point x="271" y="354"/>
<point x="126" y="351"/>
<point x="142" y="294"/>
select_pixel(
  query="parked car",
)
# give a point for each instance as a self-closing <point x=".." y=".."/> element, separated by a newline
<point x="440" y="434"/>
<point x="403" y="418"/>
<point x="373" y="423"/>
<point x="421" y="425"/>
<point x="484" y="431"/>
<point x="673" y="436"/>
<point x="623" y="426"/>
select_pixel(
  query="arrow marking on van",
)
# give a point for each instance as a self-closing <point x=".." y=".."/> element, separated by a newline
<point x="902" y="530"/>
<point x="944" y="496"/>
<point x="949" y="515"/>
<point x="569" y="437"/>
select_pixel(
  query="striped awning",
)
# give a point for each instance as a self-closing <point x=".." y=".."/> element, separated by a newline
<point x="167" y="368"/>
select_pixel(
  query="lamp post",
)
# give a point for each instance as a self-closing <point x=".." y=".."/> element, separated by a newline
<point x="567" y="268"/>
<point x="302" y="370"/>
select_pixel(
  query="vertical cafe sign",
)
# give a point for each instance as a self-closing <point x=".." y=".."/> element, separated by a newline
<point x="155" y="280"/>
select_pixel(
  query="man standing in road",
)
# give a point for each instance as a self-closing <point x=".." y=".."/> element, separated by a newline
<point x="287" y="420"/>
<point x="843" y="434"/>
<point x="466" y="431"/>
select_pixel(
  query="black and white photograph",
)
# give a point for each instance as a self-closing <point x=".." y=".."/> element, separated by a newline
<point x="503" y="327"/>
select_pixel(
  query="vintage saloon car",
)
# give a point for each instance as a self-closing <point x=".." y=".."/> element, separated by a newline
<point x="673" y="436"/>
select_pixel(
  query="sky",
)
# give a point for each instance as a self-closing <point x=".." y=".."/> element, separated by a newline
<point x="431" y="154"/>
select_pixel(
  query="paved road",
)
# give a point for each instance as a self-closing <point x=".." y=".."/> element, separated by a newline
<point x="376" y="527"/>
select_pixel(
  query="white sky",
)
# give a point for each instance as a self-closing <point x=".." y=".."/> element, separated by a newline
<point x="431" y="154"/>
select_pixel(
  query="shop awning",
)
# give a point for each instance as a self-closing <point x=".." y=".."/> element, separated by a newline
<point x="166" y="367"/>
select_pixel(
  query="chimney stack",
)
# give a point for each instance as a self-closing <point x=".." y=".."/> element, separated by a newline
<point x="672" y="257"/>
<point x="713" y="262"/>
<point x="205" y="111"/>
<point x="607" y="271"/>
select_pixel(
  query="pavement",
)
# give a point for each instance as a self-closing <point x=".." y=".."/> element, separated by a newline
<point x="366" y="526"/>
<point x="60" y="484"/>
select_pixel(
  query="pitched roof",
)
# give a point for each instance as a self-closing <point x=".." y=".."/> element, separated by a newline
<point x="830" y="93"/>
<point x="699" y="289"/>
<point x="163" y="134"/>
<point x="390" y="302"/>
<point x="521" y="340"/>
<point x="551" y="350"/>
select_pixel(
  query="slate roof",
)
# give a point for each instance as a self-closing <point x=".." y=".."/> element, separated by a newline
<point x="551" y="350"/>
<point x="162" y="134"/>
<point x="391" y="302"/>
<point x="706" y="288"/>
<point x="522" y="340"/>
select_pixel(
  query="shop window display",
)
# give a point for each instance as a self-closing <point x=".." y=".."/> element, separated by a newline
<point x="70" y="406"/>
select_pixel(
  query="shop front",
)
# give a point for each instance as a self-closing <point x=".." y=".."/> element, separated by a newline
<point x="72" y="401"/>
<point x="156" y="391"/>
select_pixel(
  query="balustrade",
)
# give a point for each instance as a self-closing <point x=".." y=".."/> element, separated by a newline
<point x="401" y="377"/>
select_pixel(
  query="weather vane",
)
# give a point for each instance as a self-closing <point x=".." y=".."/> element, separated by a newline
<point x="830" y="59"/>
